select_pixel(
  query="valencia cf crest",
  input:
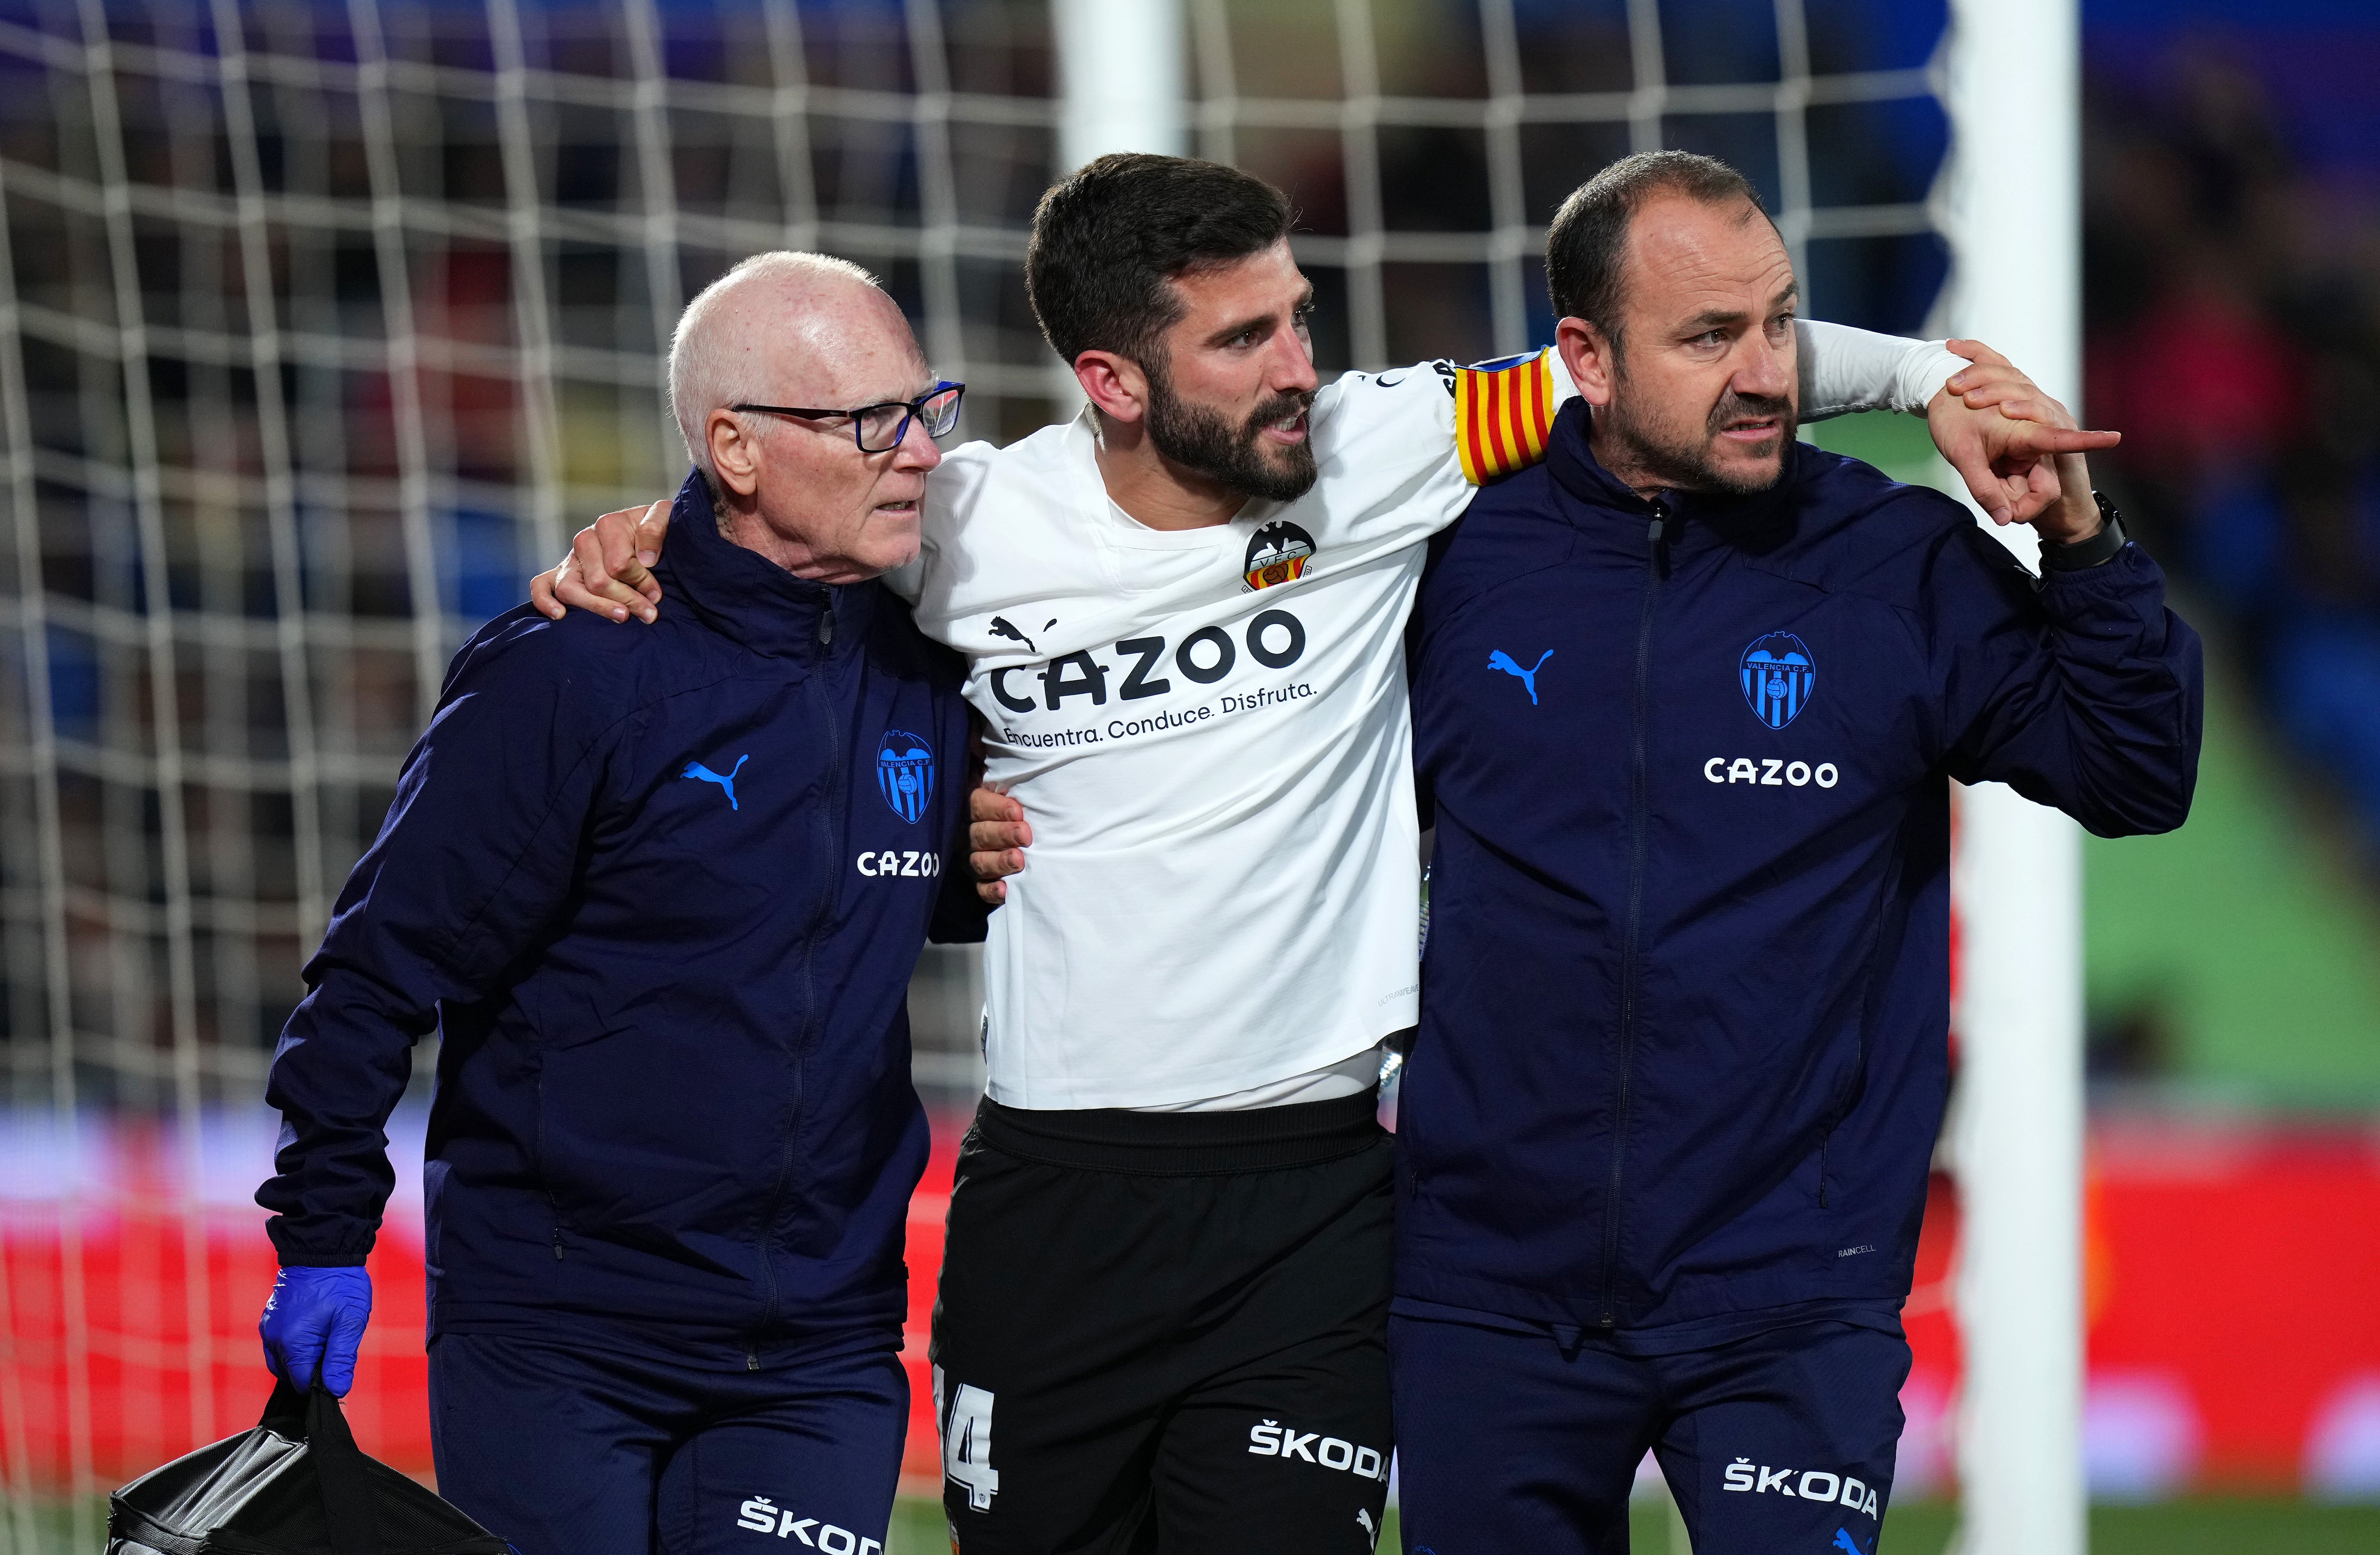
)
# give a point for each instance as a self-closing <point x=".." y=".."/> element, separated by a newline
<point x="1779" y="677"/>
<point x="905" y="774"/>
<point x="1277" y="553"/>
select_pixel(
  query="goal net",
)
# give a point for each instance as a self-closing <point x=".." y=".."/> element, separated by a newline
<point x="322" y="322"/>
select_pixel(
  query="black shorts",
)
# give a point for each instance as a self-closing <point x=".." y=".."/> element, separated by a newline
<point x="1167" y="1331"/>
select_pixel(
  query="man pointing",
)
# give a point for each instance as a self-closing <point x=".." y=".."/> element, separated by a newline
<point x="1685" y="1006"/>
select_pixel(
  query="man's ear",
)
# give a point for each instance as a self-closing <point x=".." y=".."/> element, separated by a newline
<point x="1115" y="384"/>
<point x="1590" y="358"/>
<point x="735" y="453"/>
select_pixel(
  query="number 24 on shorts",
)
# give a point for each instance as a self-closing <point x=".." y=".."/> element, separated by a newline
<point x="966" y="1417"/>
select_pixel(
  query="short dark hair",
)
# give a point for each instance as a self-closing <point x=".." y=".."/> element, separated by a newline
<point x="1109" y="241"/>
<point x="1589" y="235"/>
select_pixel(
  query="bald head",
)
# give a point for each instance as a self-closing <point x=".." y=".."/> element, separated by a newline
<point x="785" y="328"/>
<point x="803" y="332"/>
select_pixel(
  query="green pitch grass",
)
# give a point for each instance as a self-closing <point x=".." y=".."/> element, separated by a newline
<point x="2187" y="1527"/>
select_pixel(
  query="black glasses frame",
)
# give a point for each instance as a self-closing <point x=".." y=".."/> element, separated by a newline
<point x="911" y="409"/>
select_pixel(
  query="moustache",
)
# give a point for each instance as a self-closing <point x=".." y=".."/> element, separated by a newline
<point x="1279" y="409"/>
<point x="1734" y="407"/>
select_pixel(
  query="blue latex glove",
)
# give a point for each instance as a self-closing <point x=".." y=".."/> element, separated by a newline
<point x="316" y="1317"/>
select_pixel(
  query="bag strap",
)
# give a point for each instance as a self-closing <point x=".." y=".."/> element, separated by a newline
<point x="350" y="1509"/>
<point x="285" y="1412"/>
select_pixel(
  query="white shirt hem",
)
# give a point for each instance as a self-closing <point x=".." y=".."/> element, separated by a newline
<point x="1054" y="1093"/>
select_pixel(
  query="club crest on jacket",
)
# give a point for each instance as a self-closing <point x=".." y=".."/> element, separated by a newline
<point x="905" y="774"/>
<point x="1778" y="674"/>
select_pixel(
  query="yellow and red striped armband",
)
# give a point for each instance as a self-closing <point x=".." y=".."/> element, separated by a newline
<point x="1503" y="415"/>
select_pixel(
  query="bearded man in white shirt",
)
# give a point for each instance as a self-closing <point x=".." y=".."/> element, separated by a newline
<point x="1165" y="1284"/>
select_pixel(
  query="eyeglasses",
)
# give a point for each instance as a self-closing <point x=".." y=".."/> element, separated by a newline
<point x="878" y="429"/>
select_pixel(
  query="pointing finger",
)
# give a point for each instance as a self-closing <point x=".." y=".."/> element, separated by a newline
<point x="2067" y="440"/>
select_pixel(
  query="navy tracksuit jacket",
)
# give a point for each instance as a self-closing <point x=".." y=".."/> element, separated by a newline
<point x="660" y="891"/>
<point x="1682" y="1054"/>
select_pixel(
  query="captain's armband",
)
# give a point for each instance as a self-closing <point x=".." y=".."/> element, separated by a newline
<point x="1503" y="416"/>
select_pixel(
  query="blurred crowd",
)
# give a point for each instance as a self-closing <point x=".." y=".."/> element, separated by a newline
<point x="2232" y="294"/>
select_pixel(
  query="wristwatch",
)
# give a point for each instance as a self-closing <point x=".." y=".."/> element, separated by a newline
<point x="2092" y="549"/>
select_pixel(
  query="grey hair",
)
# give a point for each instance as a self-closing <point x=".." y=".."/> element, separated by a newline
<point x="704" y="375"/>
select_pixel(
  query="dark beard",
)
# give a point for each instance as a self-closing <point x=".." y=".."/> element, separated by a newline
<point x="1687" y="467"/>
<point x="1199" y="439"/>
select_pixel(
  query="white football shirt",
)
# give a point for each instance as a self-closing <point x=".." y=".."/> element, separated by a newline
<point x="1208" y="729"/>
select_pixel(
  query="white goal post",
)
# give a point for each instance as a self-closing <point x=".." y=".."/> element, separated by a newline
<point x="1121" y="73"/>
<point x="2012" y="198"/>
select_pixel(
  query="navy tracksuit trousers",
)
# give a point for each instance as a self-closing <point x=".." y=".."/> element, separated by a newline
<point x="571" y="1450"/>
<point x="1512" y="1440"/>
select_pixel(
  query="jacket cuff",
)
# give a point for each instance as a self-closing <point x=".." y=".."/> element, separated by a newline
<point x="2129" y="587"/>
<point x="294" y="1254"/>
<point x="2128" y="569"/>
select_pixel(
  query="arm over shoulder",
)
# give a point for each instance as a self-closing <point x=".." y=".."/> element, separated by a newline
<point x="1486" y="420"/>
<point x="1843" y="370"/>
<point x="1403" y="452"/>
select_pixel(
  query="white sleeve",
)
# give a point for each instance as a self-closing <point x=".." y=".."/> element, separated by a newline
<point x="1391" y="426"/>
<point x="1402" y="453"/>
<point x="1845" y="369"/>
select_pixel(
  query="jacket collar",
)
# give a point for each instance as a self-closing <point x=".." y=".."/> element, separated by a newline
<point x="1698" y="518"/>
<point x="751" y="601"/>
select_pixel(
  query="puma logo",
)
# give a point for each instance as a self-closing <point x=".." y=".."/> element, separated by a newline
<point x="1002" y="627"/>
<point x="1365" y="1517"/>
<point x="1499" y="660"/>
<point x="1844" y="1541"/>
<point x="701" y="773"/>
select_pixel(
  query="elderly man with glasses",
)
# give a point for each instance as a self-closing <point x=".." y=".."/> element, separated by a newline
<point x="659" y="894"/>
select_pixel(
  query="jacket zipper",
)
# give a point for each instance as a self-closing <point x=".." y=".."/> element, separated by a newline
<point x="1656" y="570"/>
<point x="832" y="824"/>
